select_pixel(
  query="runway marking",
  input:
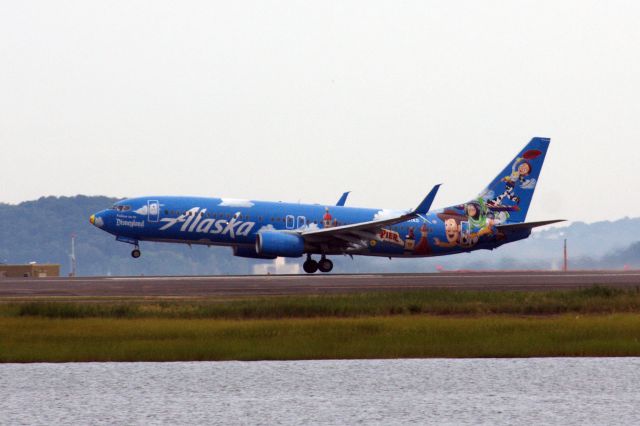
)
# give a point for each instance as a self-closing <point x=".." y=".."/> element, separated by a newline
<point x="268" y="285"/>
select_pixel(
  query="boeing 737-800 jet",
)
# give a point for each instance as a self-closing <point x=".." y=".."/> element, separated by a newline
<point x="266" y="230"/>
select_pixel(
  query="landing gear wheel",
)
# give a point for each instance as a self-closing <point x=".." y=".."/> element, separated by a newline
<point x="310" y="266"/>
<point x="325" y="265"/>
<point x="136" y="253"/>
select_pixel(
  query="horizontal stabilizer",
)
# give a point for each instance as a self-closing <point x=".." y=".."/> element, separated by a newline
<point x="527" y="225"/>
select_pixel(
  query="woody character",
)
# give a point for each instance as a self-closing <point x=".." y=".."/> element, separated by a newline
<point x="452" y="229"/>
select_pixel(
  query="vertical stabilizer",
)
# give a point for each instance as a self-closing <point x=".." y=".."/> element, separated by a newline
<point x="510" y="193"/>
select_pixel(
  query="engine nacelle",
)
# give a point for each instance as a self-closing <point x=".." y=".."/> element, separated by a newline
<point x="273" y="243"/>
<point x="250" y="252"/>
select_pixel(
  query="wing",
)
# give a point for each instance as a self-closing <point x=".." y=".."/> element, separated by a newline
<point x="355" y="235"/>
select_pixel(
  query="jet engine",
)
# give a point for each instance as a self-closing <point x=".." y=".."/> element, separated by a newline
<point x="250" y="252"/>
<point x="273" y="243"/>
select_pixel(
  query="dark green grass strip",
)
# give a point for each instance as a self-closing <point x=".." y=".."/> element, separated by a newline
<point x="595" y="300"/>
<point x="64" y="340"/>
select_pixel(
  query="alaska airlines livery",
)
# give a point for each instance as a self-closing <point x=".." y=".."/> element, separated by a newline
<point x="266" y="230"/>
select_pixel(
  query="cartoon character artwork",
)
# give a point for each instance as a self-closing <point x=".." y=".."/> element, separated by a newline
<point x="327" y="219"/>
<point x="452" y="229"/>
<point x="520" y="170"/>
<point x="423" y="247"/>
<point x="476" y="212"/>
<point x="482" y="219"/>
<point x="410" y="240"/>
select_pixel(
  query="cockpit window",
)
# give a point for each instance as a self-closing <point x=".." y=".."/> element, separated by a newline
<point x="121" y="208"/>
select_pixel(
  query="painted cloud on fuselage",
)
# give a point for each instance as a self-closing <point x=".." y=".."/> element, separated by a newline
<point x="235" y="202"/>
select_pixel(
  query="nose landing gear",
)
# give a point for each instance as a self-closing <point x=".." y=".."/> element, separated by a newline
<point x="310" y="266"/>
<point x="136" y="253"/>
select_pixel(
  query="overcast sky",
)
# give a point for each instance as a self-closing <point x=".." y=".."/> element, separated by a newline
<point x="300" y="101"/>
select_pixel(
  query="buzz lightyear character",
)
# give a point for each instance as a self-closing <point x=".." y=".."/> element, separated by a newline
<point x="519" y="171"/>
<point x="479" y="219"/>
<point x="476" y="214"/>
<point x="493" y="219"/>
<point x="482" y="220"/>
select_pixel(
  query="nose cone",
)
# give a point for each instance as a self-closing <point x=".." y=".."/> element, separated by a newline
<point x="96" y="220"/>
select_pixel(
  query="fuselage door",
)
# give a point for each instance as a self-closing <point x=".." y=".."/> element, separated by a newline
<point x="302" y="222"/>
<point x="290" y="221"/>
<point x="154" y="210"/>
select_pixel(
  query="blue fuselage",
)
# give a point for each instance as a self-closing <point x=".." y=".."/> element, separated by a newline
<point x="236" y="223"/>
<point x="266" y="230"/>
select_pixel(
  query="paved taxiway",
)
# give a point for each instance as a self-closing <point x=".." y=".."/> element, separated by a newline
<point x="204" y="286"/>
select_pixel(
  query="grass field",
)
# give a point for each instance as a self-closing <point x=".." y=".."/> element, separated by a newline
<point x="591" y="322"/>
<point x="160" y="339"/>
<point x="594" y="300"/>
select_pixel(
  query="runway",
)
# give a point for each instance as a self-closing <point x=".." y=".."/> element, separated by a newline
<point x="255" y="285"/>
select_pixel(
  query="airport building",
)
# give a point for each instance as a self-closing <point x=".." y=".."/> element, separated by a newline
<point x="31" y="270"/>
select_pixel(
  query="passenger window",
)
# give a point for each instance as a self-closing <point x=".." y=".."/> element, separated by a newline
<point x="302" y="221"/>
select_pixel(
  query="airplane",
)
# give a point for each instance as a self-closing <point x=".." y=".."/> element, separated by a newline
<point x="267" y="230"/>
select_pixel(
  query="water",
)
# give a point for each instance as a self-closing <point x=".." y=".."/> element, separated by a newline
<point x="567" y="391"/>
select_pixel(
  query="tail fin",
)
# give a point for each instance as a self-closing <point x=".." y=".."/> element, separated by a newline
<point x="512" y="190"/>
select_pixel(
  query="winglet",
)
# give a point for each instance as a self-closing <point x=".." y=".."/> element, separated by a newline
<point x="343" y="199"/>
<point x="425" y="205"/>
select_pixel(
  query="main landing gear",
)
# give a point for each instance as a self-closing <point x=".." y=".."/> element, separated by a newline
<point x="310" y="266"/>
<point x="136" y="253"/>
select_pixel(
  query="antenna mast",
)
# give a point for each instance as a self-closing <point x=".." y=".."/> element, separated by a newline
<point x="72" y="256"/>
